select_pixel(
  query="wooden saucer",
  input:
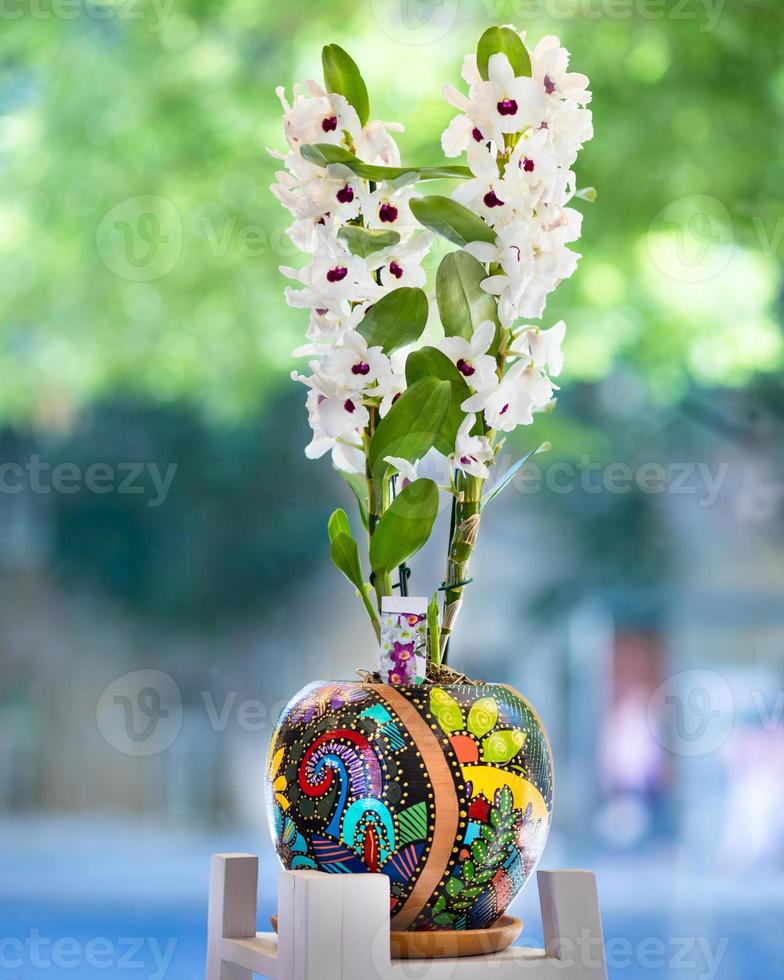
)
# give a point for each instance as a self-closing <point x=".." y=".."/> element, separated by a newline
<point x="443" y="943"/>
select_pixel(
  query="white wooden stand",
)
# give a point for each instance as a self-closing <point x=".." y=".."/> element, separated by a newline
<point x="336" y="927"/>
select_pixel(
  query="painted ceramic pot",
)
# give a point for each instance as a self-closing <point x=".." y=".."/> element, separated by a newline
<point x="447" y="790"/>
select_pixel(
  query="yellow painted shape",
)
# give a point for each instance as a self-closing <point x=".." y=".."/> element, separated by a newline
<point x="487" y="780"/>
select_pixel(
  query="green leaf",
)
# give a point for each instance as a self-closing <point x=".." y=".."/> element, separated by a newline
<point x="358" y="486"/>
<point x="323" y="154"/>
<point x="446" y="709"/>
<point x="429" y="362"/>
<point x="483" y="716"/>
<point x="433" y="631"/>
<point x="345" y="556"/>
<point x="505" y="800"/>
<point x="502" y="746"/>
<point x="507" y="478"/>
<point x="451" y="220"/>
<point x="365" y="241"/>
<point x="338" y="524"/>
<point x="502" y="40"/>
<point x="411" y="426"/>
<point x="453" y="887"/>
<point x="342" y="76"/>
<point x="395" y="320"/>
<point x="405" y="526"/>
<point x="469" y="869"/>
<point x="462" y="303"/>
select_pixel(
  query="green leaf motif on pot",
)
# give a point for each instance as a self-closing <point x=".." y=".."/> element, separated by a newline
<point x="429" y="362"/>
<point x="451" y="220"/>
<point x="502" y="746"/>
<point x="365" y="241"/>
<point x="343" y="77"/>
<point x="462" y="303"/>
<point x="503" y="799"/>
<point x="454" y="886"/>
<point x="502" y="40"/>
<point x="411" y="426"/>
<point x="395" y="320"/>
<point x="405" y="527"/>
<point x="447" y="711"/>
<point x="483" y="716"/>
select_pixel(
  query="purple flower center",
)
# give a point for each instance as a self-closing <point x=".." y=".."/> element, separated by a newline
<point x="492" y="200"/>
<point x="465" y="368"/>
<point x="465" y="460"/>
<point x="330" y="124"/>
<point x="345" y="195"/>
<point x="361" y="368"/>
<point x="349" y="405"/>
<point x="477" y="134"/>
<point x="396" y="270"/>
<point x="549" y="85"/>
<point x="505" y="409"/>
<point x="527" y="165"/>
<point x="508" y="107"/>
<point x="388" y="212"/>
<point x="336" y="274"/>
<point x="321" y="312"/>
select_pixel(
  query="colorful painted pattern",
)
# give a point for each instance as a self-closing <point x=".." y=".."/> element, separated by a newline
<point x="447" y="790"/>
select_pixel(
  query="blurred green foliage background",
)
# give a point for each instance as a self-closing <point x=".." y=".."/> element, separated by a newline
<point x="139" y="248"/>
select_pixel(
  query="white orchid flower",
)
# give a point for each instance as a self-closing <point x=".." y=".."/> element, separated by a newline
<point x="512" y="401"/>
<point x="470" y="357"/>
<point x="510" y="103"/>
<point x="543" y="347"/>
<point x="353" y="365"/>
<point x="402" y="263"/>
<point x="488" y="194"/>
<point x="472" y="453"/>
<point x="549" y="64"/>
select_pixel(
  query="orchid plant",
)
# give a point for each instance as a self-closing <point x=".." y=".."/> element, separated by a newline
<point x="410" y="404"/>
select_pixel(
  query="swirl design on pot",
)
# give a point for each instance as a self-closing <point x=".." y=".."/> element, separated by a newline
<point x="348" y="754"/>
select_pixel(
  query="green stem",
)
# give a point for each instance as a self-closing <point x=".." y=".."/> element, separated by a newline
<point x="378" y="502"/>
<point x="466" y="526"/>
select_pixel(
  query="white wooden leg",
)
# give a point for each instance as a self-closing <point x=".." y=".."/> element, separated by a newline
<point x="332" y="927"/>
<point x="571" y="921"/>
<point x="232" y="911"/>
